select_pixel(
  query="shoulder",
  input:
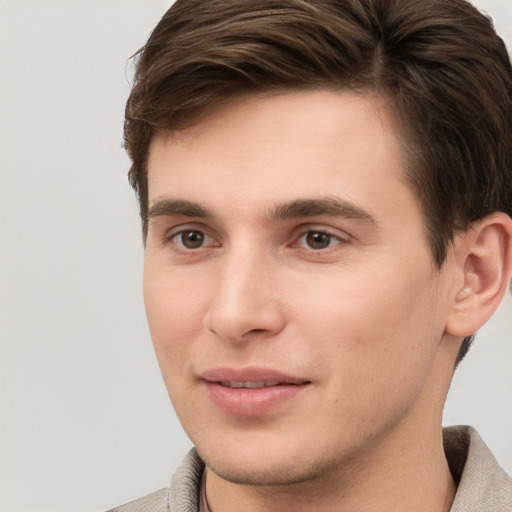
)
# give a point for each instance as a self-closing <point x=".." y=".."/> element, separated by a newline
<point x="181" y="496"/>
<point x="483" y="485"/>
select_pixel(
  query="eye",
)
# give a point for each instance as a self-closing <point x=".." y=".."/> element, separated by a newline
<point x="317" y="240"/>
<point x="191" y="239"/>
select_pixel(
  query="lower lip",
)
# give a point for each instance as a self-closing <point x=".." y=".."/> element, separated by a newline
<point x="251" y="401"/>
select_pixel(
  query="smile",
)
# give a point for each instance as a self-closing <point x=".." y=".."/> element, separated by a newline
<point x="254" y="384"/>
<point x="253" y="391"/>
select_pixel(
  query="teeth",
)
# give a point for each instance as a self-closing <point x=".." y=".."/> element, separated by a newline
<point x="250" y="384"/>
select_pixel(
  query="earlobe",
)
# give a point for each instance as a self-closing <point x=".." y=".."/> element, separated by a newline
<point x="484" y="254"/>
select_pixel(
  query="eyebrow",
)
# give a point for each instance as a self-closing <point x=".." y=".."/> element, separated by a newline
<point x="323" y="206"/>
<point x="299" y="208"/>
<point x="169" y="207"/>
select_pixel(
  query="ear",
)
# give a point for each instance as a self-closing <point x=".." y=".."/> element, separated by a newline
<point x="484" y="256"/>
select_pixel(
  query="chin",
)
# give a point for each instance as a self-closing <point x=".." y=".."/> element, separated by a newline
<point x="267" y="463"/>
<point x="267" y="473"/>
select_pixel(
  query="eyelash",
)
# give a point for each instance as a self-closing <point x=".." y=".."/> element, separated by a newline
<point x="176" y="238"/>
<point x="319" y="231"/>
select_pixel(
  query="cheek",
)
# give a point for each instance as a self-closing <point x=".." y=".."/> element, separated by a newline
<point x="175" y="320"/>
<point x="175" y="308"/>
<point x="372" y="350"/>
<point x="372" y="325"/>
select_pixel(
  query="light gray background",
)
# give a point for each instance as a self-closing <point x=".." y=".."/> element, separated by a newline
<point x="85" y="419"/>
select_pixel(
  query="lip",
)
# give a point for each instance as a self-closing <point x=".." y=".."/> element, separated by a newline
<point x="248" y="401"/>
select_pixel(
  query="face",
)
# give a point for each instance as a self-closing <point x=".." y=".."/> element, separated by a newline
<point x="290" y="291"/>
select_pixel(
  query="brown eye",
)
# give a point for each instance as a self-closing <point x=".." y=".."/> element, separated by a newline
<point x="318" y="239"/>
<point x="191" y="239"/>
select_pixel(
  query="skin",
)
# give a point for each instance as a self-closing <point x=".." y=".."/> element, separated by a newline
<point x="363" y="318"/>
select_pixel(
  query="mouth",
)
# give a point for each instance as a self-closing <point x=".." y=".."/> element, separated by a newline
<point x="251" y="391"/>
<point x="248" y="384"/>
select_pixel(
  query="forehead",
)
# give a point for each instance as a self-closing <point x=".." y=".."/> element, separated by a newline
<point x="277" y="146"/>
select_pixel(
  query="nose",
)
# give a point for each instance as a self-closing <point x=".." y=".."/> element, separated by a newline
<point x="245" y="304"/>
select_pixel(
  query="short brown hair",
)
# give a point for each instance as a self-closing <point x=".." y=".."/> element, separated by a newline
<point x="446" y="73"/>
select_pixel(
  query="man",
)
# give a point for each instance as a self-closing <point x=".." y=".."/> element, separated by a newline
<point x="326" y="196"/>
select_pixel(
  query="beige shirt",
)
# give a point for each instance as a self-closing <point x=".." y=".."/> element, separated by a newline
<point x="483" y="486"/>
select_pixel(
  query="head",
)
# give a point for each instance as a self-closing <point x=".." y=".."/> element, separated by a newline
<point x="445" y="74"/>
<point x="238" y="111"/>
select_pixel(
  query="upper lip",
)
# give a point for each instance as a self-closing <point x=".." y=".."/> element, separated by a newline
<point x="250" y="374"/>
